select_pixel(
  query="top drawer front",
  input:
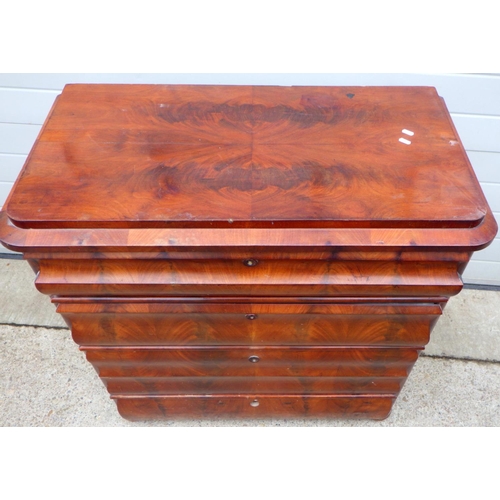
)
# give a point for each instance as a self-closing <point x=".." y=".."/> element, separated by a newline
<point x="247" y="277"/>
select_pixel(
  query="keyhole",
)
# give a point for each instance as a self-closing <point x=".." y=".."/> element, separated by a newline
<point x="250" y="262"/>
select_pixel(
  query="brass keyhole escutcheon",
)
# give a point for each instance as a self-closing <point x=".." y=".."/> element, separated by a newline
<point x="250" y="262"/>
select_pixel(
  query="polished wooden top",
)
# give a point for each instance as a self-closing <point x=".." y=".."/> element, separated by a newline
<point x="138" y="156"/>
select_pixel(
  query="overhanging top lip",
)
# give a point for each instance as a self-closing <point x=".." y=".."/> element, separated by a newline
<point x="319" y="156"/>
<point x="252" y="224"/>
<point x="174" y="239"/>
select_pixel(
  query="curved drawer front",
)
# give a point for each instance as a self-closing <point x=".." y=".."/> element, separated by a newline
<point x="118" y="386"/>
<point x="151" y="323"/>
<point x="235" y="278"/>
<point x="260" y="406"/>
<point x="253" y="382"/>
<point x="162" y="362"/>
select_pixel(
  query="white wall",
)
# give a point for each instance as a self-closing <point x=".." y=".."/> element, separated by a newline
<point x="473" y="100"/>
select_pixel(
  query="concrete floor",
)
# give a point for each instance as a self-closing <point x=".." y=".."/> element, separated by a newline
<point x="46" y="381"/>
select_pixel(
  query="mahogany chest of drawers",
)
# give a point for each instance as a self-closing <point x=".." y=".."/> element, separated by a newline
<point x="234" y="251"/>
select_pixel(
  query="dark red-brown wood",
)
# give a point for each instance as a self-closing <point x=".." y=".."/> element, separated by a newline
<point x="248" y="252"/>
<point x="195" y="156"/>
<point x="232" y="278"/>
<point x="218" y="406"/>
<point x="166" y="323"/>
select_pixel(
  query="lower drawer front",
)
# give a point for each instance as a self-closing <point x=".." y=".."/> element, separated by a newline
<point x="252" y="362"/>
<point x="252" y="385"/>
<point x="261" y="406"/>
<point x="226" y="373"/>
<point x="143" y="324"/>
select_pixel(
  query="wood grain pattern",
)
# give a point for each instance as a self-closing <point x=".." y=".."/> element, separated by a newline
<point x="225" y="324"/>
<point x="299" y="362"/>
<point x="64" y="241"/>
<point x="206" y="381"/>
<point x="172" y="385"/>
<point x="248" y="252"/>
<point x="194" y="156"/>
<point x="266" y="278"/>
<point x="333" y="254"/>
<point x="279" y="406"/>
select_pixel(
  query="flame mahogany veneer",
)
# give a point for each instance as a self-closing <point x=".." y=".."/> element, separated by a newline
<point x="234" y="251"/>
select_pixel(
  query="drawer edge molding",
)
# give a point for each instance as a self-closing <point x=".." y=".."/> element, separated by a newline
<point x="161" y="239"/>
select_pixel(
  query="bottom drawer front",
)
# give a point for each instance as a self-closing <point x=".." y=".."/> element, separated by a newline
<point x="253" y="385"/>
<point x="255" y="406"/>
